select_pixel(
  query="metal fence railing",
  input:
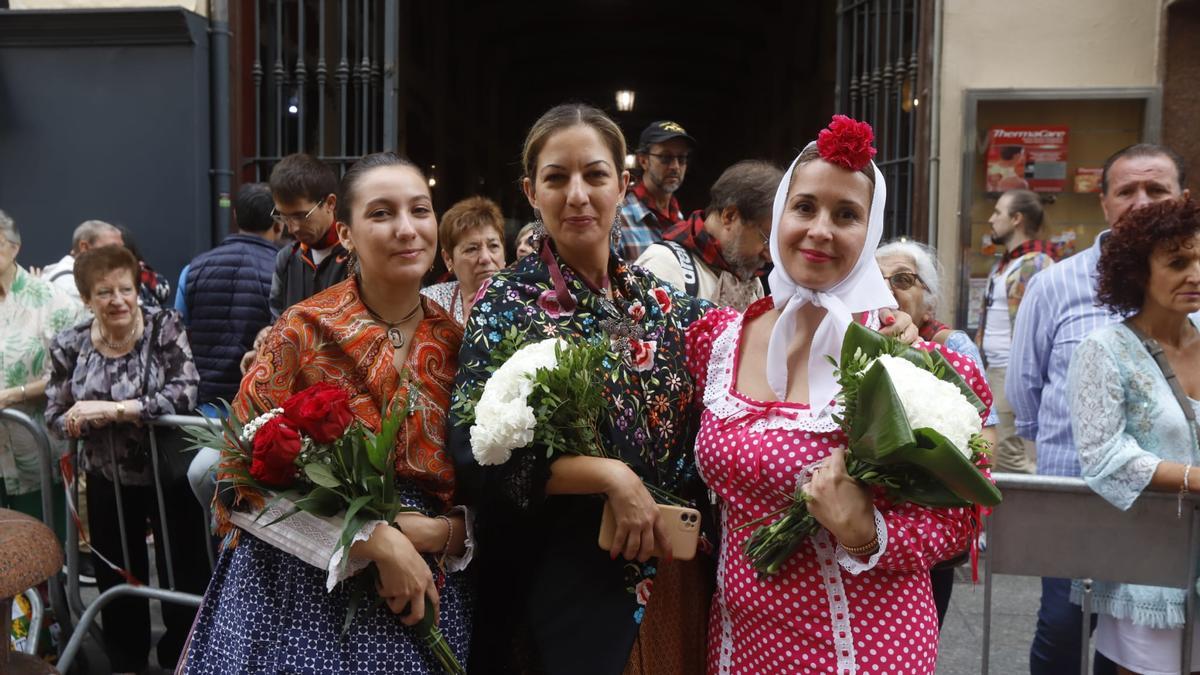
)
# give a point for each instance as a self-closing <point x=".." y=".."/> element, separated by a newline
<point x="76" y="617"/>
<point x="1050" y="526"/>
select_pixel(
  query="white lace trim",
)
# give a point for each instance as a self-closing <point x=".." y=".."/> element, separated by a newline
<point x="725" y="655"/>
<point x="340" y="568"/>
<point x="839" y="607"/>
<point x="855" y="566"/>
<point x="719" y="399"/>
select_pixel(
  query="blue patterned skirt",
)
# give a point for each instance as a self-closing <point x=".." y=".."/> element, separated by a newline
<point x="267" y="611"/>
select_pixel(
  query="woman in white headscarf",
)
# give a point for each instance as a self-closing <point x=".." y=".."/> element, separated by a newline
<point x="856" y="596"/>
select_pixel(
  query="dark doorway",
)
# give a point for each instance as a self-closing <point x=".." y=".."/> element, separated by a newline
<point x="748" y="80"/>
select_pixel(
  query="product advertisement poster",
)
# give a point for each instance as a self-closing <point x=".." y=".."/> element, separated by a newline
<point x="1027" y="158"/>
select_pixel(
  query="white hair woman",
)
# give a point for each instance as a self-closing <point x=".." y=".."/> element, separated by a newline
<point x="855" y="597"/>
<point x="914" y="274"/>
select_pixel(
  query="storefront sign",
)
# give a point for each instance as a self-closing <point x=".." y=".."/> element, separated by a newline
<point x="1029" y="158"/>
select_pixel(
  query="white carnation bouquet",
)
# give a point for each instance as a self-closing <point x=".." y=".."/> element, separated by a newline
<point x="546" y="394"/>
<point x="914" y="433"/>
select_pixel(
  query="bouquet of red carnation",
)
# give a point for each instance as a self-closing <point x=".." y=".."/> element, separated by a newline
<point x="330" y="464"/>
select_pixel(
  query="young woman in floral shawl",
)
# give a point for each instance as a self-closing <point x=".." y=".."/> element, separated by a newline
<point x="550" y="600"/>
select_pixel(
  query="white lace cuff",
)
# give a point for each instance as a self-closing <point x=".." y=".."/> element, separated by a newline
<point x="458" y="563"/>
<point x="855" y="566"/>
<point x="339" y="568"/>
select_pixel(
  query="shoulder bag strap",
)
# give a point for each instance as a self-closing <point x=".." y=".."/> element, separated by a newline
<point x="691" y="277"/>
<point x="1160" y="357"/>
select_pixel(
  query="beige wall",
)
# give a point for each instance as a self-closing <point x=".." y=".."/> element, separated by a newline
<point x="1031" y="44"/>
<point x="198" y="6"/>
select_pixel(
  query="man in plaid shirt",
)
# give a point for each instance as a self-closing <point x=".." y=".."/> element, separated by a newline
<point x="650" y="207"/>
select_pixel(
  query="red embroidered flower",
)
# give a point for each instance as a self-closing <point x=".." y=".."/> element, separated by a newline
<point x="643" y="590"/>
<point x="663" y="296"/>
<point x="847" y="143"/>
<point x="636" y="311"/>
<point x="642" y="354"/>
<point x="548" y="302"/>
<point x="276" y="446"/>
<point x="322" y="412"/>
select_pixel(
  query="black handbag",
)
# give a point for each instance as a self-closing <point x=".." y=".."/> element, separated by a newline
<point x="172" y="444"/>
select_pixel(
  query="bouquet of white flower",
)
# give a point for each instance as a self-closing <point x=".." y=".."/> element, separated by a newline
<point x="913" y="427"/>
<point x="545" y="393"/>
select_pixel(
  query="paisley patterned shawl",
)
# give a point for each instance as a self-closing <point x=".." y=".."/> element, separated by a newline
<point x="331" y="337"/>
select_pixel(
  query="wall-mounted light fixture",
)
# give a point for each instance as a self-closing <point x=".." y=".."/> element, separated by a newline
<point x="625" y="99"/>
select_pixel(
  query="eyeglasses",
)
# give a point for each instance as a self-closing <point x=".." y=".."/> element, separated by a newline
<point x="669" y="159"/>
<point x="291" y="218"/>
<point x="766" y="238"/>
<point x="902" y="281"/>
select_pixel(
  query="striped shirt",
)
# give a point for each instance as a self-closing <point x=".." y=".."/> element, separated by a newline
<point x="1058" y="311"/>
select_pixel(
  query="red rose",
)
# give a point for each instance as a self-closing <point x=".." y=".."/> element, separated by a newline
<point x="642" y="354"/>
<point x="321" y="412"/>
<point x="663" y="296"/>
<point x="276" y="446"/>
<point x="847" y="143"/>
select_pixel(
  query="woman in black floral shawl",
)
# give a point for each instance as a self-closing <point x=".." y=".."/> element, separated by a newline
<point x="550" y="599"/>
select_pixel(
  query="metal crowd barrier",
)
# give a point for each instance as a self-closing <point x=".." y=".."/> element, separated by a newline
<point x="1050" y="526"/>
<point x="69" y="605"/>
<point x="87" y="613"/>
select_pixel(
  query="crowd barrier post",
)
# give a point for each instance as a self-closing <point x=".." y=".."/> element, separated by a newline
<point x="1051" y="526"/>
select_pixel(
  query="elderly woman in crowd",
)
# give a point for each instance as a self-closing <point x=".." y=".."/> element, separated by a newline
<point x="914" y="274"/>
<point x="472" y="242"/>
<point x="1134" y="424"/>
<point x="769" y="398"/>
<point x="32" y="310"/>
<point x="377" y="338"/>
<point x="550" y="599"/>
<point x="109" y="376"/>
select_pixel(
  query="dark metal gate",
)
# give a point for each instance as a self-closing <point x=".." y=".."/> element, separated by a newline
<point x="880" y="69"/>
<point x="325" y="80"/>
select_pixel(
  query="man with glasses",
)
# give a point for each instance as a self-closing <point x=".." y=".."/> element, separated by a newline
<point x="1016" y="221"/>
<point x="718" y="254"/>
<point x="650" y="207"/>
<point x="304" y="190"/>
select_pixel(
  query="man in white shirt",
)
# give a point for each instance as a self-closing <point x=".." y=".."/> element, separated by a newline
<point x="89" y="234"/>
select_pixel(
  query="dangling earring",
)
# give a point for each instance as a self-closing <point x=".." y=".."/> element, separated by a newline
<point x="539" y="232"/>
<point x="352" y="265"/>
<point x="614" y="235"/>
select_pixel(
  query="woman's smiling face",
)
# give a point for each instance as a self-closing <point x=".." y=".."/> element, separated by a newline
<point x="823" y="228"/>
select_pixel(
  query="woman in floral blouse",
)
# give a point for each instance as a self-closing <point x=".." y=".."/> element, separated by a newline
<point x="108" y="377"/>
<point x="31" y="311"/>
<point x="550" y="600"/>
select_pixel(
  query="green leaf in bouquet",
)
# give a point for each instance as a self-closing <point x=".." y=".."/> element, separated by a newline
<point x="322" y="475"/>
<point x="956" y="471"/>
<point x="321" y="502"/>
<point x="880" y="425"/>
<point x="354" y="521"/>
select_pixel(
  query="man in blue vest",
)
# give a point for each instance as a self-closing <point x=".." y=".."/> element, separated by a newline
<point x="224" y="294"/>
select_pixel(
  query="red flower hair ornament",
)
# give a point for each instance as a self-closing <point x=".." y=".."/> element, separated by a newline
<point x="847" y="143"/>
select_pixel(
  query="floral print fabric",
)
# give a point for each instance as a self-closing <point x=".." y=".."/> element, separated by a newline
<point x="541" y="552"/>
<point x="34" y="311"/>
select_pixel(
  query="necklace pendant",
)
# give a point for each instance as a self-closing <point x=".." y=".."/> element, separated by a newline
<point x="396" y="337"/>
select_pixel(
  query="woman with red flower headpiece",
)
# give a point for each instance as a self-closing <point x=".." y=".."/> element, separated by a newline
<point x="355" y="351"/>
<point x="856" y="596"/>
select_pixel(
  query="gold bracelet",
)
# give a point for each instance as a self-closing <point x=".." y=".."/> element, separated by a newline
<point x="23" y="394"/>
<point x="120" y="411"/>
<point x="864" y="550"/>
<point x="1183" y="490"/>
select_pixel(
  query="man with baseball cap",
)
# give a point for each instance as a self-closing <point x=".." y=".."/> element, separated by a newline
<point x="650" y="207"/>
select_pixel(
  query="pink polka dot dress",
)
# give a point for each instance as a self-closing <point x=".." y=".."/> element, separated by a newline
<point x="826" y="611"/>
